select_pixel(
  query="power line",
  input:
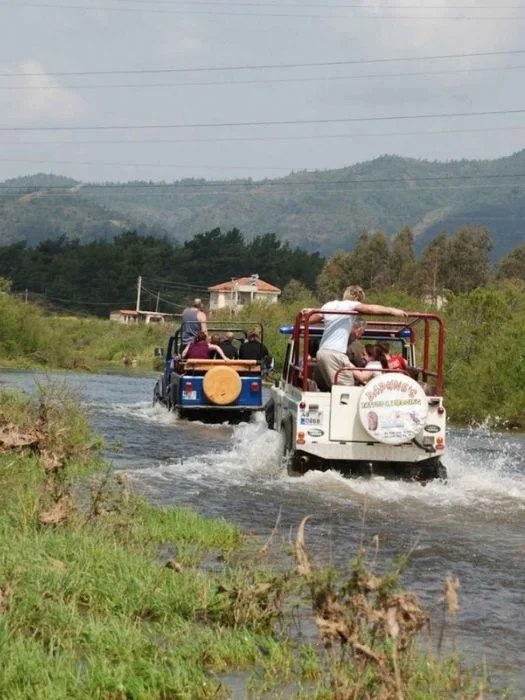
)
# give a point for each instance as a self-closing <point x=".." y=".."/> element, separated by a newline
<point x="276" y="122"/>
<point x="264" y="183"/>
<point x="156" y="295"/>
<point x="296" y="15"/>
<point x="214" y="3"/>
<point x="78" y="301"/>
<point x="292" y="137"/>
<point x="268" y="66"/>
<point x="314" y="188"/>
<point x="146" y="165"/>
<point x="263" y="81"/>
<point x="182" y="286"/>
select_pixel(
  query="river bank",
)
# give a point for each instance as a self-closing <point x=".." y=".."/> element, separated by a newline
<point x="484" y="369"/>
<point x="105" y="595"/>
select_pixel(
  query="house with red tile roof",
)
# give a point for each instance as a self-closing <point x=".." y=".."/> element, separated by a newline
<point x="235" y="293"/>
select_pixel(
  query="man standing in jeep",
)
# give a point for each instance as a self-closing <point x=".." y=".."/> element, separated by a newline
<point x="193" y="321"/>
<point x="331" y="356"/>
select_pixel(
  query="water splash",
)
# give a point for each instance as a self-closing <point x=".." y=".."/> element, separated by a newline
<point x="484" y="467"/>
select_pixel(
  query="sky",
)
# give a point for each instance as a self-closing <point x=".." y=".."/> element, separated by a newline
<point x="207" y="115"/>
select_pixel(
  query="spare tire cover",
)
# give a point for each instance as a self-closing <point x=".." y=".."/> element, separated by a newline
<point x="393" y="408"/>
<point x="221" y="385"/>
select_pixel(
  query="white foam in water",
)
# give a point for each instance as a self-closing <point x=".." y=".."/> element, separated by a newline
<point x="491" y="473"/>
<point x="144" y="411"/>
<point x="254" y="452"/>
<point x="483" y="467"/>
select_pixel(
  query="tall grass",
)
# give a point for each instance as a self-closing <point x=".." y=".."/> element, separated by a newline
<point x="29" y="338"/>
<point x="104" y="596"/>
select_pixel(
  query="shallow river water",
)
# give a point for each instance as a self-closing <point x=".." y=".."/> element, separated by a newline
<point x="473" y="526"/>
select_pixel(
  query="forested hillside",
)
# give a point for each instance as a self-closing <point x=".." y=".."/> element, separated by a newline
<point x="321" y="210"/>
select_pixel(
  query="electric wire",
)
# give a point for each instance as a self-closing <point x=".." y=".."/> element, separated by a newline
<point x="264" y="81"/>
<point x="295" y="15"/>
<point x="275" y="122"/>
<point x="269" y="66"/>
<point x="291" y="137"/>
<point x="271" y="183"/>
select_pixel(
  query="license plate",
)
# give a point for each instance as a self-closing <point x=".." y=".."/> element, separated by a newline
<point x="189" y="395"/>
<point x="312" y="418"/>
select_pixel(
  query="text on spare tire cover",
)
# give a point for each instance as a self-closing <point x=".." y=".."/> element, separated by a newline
<point x="393" y="410"/>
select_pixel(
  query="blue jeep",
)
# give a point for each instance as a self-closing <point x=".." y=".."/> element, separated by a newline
<point x="211" y="390"/>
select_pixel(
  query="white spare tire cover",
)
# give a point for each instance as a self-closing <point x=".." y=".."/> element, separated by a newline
<point x="393" y="408"/>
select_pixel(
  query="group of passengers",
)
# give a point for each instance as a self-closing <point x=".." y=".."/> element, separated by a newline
<point x="196" y="345"/>
<point x="227" y="348"/>
<point x="340" y="352"/>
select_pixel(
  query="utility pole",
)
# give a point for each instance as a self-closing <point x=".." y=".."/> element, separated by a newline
<point x="139" y="285"/>
<point x="26" y="296"/>
<point x="158" y="299"/>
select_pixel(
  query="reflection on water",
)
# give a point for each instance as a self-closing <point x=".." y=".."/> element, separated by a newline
<point x="473" y="526"/>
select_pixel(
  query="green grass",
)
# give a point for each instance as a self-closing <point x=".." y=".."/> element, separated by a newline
<point x="104" y="596"/>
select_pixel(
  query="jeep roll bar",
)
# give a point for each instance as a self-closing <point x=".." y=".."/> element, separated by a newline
<point x="400" y="329"/>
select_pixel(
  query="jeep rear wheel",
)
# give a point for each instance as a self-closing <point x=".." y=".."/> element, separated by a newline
<point x="293" y="463"/>
<point x="269" y="414"/>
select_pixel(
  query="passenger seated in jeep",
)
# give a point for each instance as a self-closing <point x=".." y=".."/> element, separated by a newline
<point x="396" y="362"/>
<point x="215" y="340"/>
<point x="228" y="346"/>
<point x="375" y="362"/>
<point x="253" y="349"/>
<point x="200" y="349"/>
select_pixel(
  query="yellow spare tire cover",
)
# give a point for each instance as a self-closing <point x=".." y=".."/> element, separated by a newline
<point x="221" y="385"/>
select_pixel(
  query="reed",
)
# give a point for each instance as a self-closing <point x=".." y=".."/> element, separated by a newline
<point x="104" y="596"/>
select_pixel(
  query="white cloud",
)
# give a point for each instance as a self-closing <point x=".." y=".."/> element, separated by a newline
<point x="37" y="103"/>
<point x="185" y="38"/>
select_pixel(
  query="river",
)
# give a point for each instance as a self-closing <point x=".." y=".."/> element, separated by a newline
<point x="473" y="526"/>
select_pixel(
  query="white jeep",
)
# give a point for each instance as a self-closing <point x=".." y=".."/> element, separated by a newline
<point x="393" y="426"/>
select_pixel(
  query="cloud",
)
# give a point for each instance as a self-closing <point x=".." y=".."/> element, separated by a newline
<point x="185" y="38"/>
<point x="408" y="26"/>
<point x="36" y="106"/>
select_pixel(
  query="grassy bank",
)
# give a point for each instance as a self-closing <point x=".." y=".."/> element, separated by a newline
<point x="31" y="339"/>
<point x="104" y="596"/>
<point x="484" y="366"/>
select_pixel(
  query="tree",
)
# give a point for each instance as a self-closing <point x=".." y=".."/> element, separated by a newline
<point x="467" y="264"/>
<point x="430" y="276"/>
<point x="379" y="273"/>
<point x="512" y="266"/>
<point x="294" y="291"/>
<point x="335" y="276"/>
<point x="403" y="260"/>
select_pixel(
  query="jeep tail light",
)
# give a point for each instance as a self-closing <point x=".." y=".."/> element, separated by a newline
<point x="254" y="386"/>
<point x="302" y="404"/>
<point x="441" y="410"/>
<point x="188" y="386"/>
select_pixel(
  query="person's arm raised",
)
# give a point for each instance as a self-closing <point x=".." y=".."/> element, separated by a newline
<point x="315" y="318"/>
<point x="377" y="310"/>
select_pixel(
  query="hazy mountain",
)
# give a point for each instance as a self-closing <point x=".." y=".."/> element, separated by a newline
<point x="321" y="210"/>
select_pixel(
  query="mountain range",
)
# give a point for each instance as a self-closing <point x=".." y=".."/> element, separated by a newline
<point x="317" y="210"/>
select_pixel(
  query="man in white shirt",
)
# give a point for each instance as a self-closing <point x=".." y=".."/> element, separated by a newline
<point x="331" y="356"/>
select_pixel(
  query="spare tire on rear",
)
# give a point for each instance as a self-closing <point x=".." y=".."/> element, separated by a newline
<point x="393" y="408"/>
<point x="221" y="385"/>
